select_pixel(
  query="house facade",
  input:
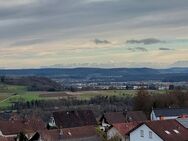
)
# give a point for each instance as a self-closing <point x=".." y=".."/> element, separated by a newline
<point x="120" y="130"/>
<point x="108" y="119"/>
<point x="144" y="133"/>
<point x="161" y="130"/>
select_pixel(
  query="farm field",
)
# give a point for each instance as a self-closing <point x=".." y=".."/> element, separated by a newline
<point x="12" y="93"/>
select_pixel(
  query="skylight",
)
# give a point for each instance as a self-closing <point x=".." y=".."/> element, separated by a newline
<point x="167" y="132"/>
<point x="176" y="131"/>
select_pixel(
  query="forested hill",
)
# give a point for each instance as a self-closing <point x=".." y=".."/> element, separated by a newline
<point x="117" y="74"/>
<point x="32" y="83"/>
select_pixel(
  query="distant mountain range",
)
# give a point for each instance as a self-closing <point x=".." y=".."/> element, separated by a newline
<point x="113" y="74"/>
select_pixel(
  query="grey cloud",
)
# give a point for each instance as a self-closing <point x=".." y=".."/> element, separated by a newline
<point x="135" y="49"/>
<point x="147" y="41"/>
<point x="99" y="41"/>
<point x="28" y="42"/>
<point x="54" y="16"/>
<point x="164" y="48"/>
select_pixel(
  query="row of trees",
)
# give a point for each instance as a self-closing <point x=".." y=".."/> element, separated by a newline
<point x="145" y="101"/>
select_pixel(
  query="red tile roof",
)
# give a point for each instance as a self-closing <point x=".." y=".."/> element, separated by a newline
<point x="161" y="127"/>
<point x="6" y="139"/>
<point x="13" y="127"/>
<point x="120" y="117"/>
<point x="124" y="128"/>
<point x="176" y="131"/>
<point x="69" y="133"/>
<point x="3" y="139"/>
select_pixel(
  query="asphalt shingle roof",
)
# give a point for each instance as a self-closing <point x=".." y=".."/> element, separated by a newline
<point x="170" y="112"/>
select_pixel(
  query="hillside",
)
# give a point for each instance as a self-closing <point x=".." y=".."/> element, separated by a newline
<point x="33" y="83"/>
<point x="115" y="74"/>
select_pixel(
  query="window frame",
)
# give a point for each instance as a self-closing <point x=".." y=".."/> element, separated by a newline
<point x="142" y="133"/>
<point x="150" y="134"/>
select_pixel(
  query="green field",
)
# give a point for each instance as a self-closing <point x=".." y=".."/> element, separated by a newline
<point x="86" y="95"/>
<point x="12" y="93"/>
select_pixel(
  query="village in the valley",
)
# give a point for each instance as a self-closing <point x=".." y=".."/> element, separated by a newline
<point x="165" y="124"/>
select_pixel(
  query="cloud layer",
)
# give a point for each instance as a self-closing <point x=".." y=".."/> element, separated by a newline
<point x="38" y="32"/>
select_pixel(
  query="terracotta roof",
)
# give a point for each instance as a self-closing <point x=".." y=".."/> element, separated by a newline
<point x="120" y="117"/>
<point x="6" y="139"/>
<point x="124" y="128"/>
<point x="69" y="119"/>
<point x="3" y="139"/>
<point x="169" y="130"/>
<point x="69" y="133"/>
<point x="13" y="127"/>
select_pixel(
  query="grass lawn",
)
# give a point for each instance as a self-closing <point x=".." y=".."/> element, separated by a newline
<point x="90" y="94"/>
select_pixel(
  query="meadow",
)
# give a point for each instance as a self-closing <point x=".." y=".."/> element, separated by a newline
<point x="13" y="93"/>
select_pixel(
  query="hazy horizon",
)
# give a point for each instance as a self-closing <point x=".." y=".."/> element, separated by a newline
<point x="93" y="33"/>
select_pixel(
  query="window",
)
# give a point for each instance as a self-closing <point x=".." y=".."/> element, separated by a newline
<point x="141" y="133"/>
<point x="150" y="134"/>
<point x="176" y="131"/>
<point x="167" y="132"/>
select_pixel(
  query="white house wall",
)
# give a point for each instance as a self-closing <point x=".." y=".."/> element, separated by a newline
<point x="135" y="135"/>
<point x="113" y="133"/>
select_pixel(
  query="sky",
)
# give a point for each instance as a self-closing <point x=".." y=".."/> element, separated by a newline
<point x="93" y="33"/>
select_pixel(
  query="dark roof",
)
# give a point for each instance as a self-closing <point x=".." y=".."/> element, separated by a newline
<point x="69" y="133"/>
<point x="114" y="117"/>
<point x="161" y="127"/>
<point x="13" y="127"/>
<point x="120" y="117"/>
<point x="136" y="116"/>
<point x="69" y="119"/>
<point x="170" y="112"/>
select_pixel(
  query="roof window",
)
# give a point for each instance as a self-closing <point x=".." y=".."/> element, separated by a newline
<point x="176" y="131"/>
<point x="167" y="132"/>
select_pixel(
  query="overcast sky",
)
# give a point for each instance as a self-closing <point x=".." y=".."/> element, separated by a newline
<point x="93" y="33"/>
